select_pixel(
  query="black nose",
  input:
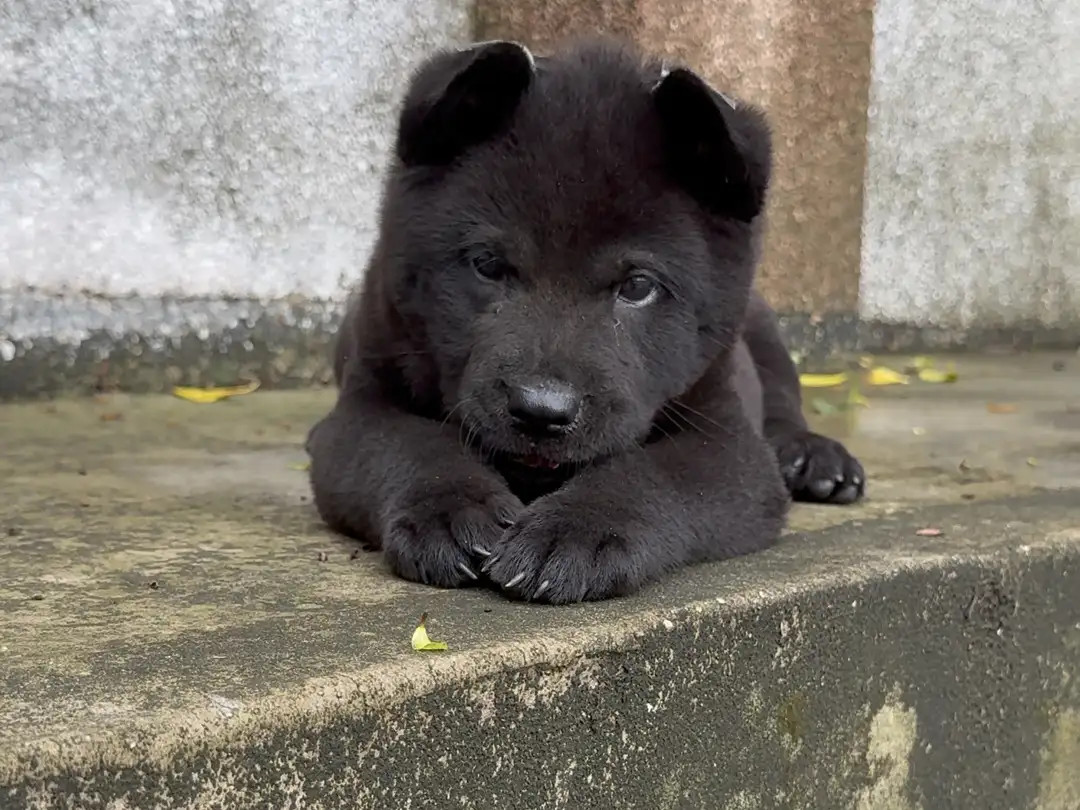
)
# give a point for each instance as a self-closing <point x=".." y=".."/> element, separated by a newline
<point x="543" y="405"/>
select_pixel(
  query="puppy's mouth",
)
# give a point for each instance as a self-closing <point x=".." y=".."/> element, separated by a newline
<point x="536" y="461"/>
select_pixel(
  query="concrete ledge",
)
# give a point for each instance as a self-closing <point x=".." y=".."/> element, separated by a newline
<point x="177" y="631"/>
<point x="79" y="344"/>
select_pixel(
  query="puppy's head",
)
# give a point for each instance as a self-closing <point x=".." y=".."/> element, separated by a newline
<point x="571" y="238"/>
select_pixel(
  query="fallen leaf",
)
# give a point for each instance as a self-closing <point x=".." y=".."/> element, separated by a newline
<point x="420" y="640"/>
<point x="1000" y="407"/>
<point x="822" y="407"/>
<point x="1033" y="462"/>
<point x="882" y="375"/>
<point x="823" y="380"/>
<point x="919" y="431"/>
<point x="111" y="416"/>
<point x="934" y="375"/>
<point x="866" y="361"/>
<point x="929" y="532"/>
<point x="204" y="395"/>
<point x="922" y="362"/>
<point x="855" y="399"/>
<point x="304" y="467"/>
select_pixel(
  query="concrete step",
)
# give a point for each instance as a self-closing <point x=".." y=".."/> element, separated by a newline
<point x="177" y="630"/>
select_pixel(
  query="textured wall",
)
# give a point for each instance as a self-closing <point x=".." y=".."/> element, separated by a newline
<point x="232" y="149"/>
<point x="807" y="62"/>
<point x="199" y="147"/>
<point x="972" y="213"/>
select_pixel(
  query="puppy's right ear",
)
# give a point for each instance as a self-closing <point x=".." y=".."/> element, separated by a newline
<point x="458" y="99"/>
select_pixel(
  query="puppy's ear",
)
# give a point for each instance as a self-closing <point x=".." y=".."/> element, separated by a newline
<point x="719" y="152"/>
<point x="458" y="99"/>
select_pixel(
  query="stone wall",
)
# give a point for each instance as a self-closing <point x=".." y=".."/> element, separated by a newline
<point x="972" y="214"/>
<point x="807" y="63"/>
<point x="191" y="185"/>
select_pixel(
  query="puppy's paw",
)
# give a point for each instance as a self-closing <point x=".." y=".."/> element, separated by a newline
<point x="818" y="469"/>
<point x="558" y="553"/>
<point x="441" y="532"/>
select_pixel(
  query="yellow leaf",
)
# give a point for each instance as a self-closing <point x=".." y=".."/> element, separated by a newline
<point x="855" y="399"/>
<point x="203" y="395"/>
<point x="933" y="375"/>
<point x="921" y="363"/>
<point x="1033" y="462"/>
<point x="304" y="467"/>
<point x="823" y="380"/>
<point x="881" y="375"/>
<point x="420" y="640"/>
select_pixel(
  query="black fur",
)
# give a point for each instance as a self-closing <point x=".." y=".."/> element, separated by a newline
<point x="589" y="224"/>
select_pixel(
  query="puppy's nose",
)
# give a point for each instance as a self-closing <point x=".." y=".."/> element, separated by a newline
<point x="543" y="405"/>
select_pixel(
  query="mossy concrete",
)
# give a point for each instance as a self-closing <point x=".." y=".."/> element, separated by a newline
<point x="177" y="630"/>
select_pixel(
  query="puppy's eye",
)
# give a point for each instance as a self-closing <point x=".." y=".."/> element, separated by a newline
<point x="638" y="291"/>
<point x="491" y="267"/>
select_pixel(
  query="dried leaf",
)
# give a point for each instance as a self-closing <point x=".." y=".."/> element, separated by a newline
<point x="921" y="363"/>
<point x="929" y="532"/>
<point x="420" y="640"/>
<point x="1033" y="462"/>
<point x="934" y="375"/>
<point x="823" y="380"/>
<point x="1000" y="407"/>
<point x="855" y="399"/>
<point x="919" y="431"/>
<point x="204" y="395"/>
<point x="111" y="416"/>
<point x="303" y="467"/>
<point x="882" y="375"/>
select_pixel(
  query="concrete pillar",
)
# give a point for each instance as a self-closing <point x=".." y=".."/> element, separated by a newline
<point x="807" y="62"/>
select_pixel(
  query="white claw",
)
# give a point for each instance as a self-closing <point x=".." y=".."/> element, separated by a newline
<point x="515" y="581"/>
<point x="483" y="552"/>
<point x="543" y="587"/>
<point x="463" y="568"/>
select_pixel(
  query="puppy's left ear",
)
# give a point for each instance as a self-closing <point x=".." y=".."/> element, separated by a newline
<point x="459" y="99"/>
<point x="720" y="152"/>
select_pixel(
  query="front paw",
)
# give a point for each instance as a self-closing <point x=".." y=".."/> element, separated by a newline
<point x="442" y="530"/>
<point x="819" y="469"/>
<point x="560" y="553"/>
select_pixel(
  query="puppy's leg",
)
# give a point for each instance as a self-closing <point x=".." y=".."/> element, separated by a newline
<point x="815" y="467"/>
<point x="708" y="489"/>
<point x="404" y="483"/>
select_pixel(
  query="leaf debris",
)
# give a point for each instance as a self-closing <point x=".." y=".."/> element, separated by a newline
<point x="207" y="395"/>
<point x="420" y="640"/>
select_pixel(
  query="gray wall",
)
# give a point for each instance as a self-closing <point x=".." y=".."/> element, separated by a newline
<point x="222" y="148"/>
<point x="972" y="211"/>
<point x="232" y="149"/>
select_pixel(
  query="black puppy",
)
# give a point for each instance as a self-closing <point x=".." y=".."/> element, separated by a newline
<point x="556" y="376"/>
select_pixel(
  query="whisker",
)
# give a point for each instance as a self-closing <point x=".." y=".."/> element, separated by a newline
<point x="718" y="425"/>
<point x="684" y="422"/>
